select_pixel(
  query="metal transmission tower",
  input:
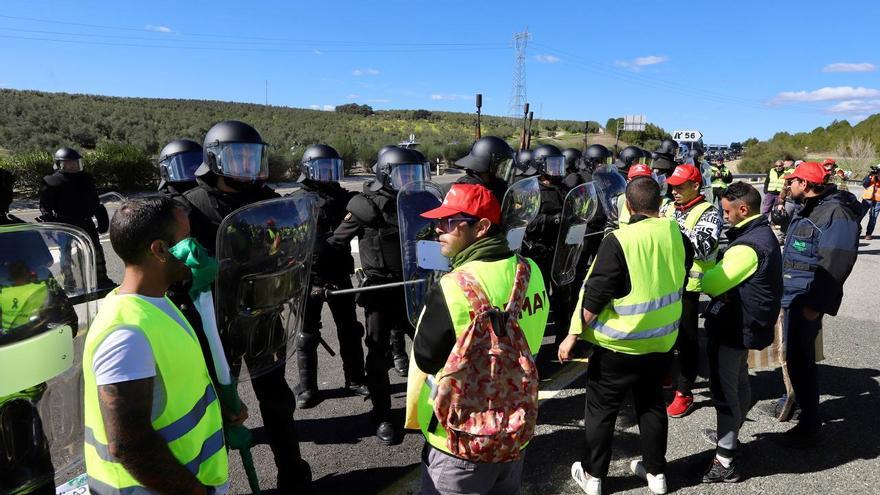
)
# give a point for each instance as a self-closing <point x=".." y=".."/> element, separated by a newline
<point x="518" y="93"/>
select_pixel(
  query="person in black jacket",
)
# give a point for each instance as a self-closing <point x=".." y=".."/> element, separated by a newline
<point x="178" y="162"/>
<point x="746" y="291"/>
<point x="372" y="218"/>
<point x="70" y="196"/>
<point x="223" y="188"/>
<point x="331" y="269"/>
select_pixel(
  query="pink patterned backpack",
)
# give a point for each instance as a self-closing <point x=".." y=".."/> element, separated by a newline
<point x="487" y="394"/>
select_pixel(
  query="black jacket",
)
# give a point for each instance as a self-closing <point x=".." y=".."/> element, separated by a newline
<point x="72" y="198"/>
<point x="745" y="316"/>
<point x="329" y="263"/>
<point x="541" y="235"/>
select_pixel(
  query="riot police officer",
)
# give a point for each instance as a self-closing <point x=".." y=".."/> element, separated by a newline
<point x="372" y="218"/>
<point x="664" y="157"/>
<point x="331" y="269"/>
<point x="572" y="159"/>
<point x="595" y="154"/>
<point x="7" y="181"/>
<point x="178" y="162"/>
<point x="70" y="196"/>
<point x="524" y="162"/>
<point x="489" y="163"/>
<point x="541" y="235"/>
<point x="233" y="174"/>
<point x="627" y="157"/>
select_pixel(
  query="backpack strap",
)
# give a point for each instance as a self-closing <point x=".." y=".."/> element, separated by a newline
<point x="520" y="285"/>
<point x="473" y="291"/>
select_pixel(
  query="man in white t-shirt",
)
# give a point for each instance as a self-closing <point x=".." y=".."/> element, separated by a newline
<point x="163" y="446"/>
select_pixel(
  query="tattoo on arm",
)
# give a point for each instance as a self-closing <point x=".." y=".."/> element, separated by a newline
<point x="126" y="409"/>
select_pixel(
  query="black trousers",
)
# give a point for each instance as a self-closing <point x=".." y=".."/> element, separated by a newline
<point x="25" y="459"/>
<point x="383" y="310"/>
<point x="800" y="356"/>
<point x="687" y="343"/>
<point x="348" y="330"/>
<point x="610" y="376"/>
<point x="277" y="405"/>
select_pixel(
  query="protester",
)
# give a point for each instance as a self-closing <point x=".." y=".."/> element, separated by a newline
<point x="152" y="420"/>
<point x="817" y="259"/>
<point x="452" y="346"/>
<point x="633" y="326"/>
<point x="746" y="289"/>
<point x="871" y="201"/>
<point x="773" y="184"/>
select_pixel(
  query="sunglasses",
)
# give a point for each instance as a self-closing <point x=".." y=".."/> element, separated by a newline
<point x="451" y="223"/>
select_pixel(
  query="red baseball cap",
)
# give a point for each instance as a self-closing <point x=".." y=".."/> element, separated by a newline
<point x="685" y="173"/>
<point x="829" y="161"/>
<point x="809" y="171"/>
<point x="639" y="170"/>
<point x="471" y="199"/>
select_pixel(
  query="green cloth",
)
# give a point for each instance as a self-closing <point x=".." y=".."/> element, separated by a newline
<point x="738" y="264"/>
<point x="492" y="247"/>
<point x="203" y="266"/>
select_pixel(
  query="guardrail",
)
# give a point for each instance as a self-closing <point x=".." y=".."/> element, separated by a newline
<point x="750" y="177"/>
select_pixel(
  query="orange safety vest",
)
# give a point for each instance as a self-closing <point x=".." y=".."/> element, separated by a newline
<point x="872" y="192"/>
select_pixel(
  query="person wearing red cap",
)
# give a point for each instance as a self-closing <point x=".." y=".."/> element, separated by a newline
<point x="818" y="256"/>
<point x="636" y="171"/>
<point x="468" y="225"/>
<point x="871" y="201"/>
<point x="700" y="221"/>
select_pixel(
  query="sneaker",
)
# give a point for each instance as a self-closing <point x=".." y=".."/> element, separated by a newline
<point x="589" y="484"/>
<point x="656" y="482"/>
<point x="869" y="237"/>
<point x="681" y="406"/>
<point x="717" y="473"/>
<point x="781" y="409"/>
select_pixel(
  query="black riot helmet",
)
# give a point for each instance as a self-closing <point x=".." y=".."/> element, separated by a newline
<point x="490" y="154"/>
<point x="629" y="156"/>
<point x="572" y="157"/>
<point x="597" y="154"/>
<point x="68" y="160"/>
<point x="235" y="150"/>
<point x="668" y="147"/>
<point x="549" y="160"/>
<point x="525" y="163"/>
<point x="398" y="167"/>
<point x="179" y="160"/>
<point x="321" y="162"/>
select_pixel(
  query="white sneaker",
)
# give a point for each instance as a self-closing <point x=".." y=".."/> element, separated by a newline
<point x="589" y="484"/>
<point x="656" y="482"/>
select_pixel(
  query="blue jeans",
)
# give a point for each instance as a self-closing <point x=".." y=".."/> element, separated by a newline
<point x="872" y="209"/>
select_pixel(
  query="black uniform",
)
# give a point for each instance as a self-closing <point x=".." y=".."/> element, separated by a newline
<point x="540" y="245"/>
<point x="72" y="198"/>
<point x="277" y="402"/>
<point x="176" y="189"/>
<point x="372" y="218"/>
<point x="332" y="267"/>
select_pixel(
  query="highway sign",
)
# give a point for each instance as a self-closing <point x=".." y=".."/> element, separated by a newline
<point x="687" y="136"/>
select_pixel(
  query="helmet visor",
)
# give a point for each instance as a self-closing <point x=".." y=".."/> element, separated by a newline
<point x="324" y="169"/>
<point x="69" y="165"/>
<point x="245" y="161"/>
<point x="554" y="166"/>
<point x="404" y="174"/>
<point x="181" y="167"/>
<point x="502" y="169"/>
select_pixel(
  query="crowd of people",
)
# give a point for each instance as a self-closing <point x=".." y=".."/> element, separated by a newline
<point x="160" y="364"/>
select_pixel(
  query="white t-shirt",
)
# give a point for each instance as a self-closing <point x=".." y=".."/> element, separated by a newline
<point x="125" y="355"/>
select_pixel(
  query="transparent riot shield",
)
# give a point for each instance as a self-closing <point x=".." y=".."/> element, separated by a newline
<point x="265" y="254"/>
<point x="609" y="185"/>
<point x="579" y="207"/>
<point x="45" y="312"/>
<point x="520" y="207"/>
<point x="706" y="188"/>
<point x="423" y="264"/>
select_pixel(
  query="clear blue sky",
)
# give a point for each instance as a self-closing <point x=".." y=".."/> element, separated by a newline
<point x="729" y="69"/>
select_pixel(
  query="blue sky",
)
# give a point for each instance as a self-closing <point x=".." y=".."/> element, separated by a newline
<point x="729" y="69"/>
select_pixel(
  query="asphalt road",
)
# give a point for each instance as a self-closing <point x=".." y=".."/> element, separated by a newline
<point x="337" y="436"/>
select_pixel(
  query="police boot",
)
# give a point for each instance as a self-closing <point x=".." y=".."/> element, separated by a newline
<point x="296" y="481"/>
<point x="307" y="393"/>
<point x="398" y="352"/>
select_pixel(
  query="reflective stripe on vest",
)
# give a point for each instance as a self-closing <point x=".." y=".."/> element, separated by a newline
<point x="695" y="273"/>
<point x="190" y="423"/>
<point x="496" y="280"/>
<point x="645" y="320"/>
<point x="776" y="182"/>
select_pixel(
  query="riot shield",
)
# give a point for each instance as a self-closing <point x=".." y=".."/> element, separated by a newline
<point x="265" y="253"/>
<point x="577" y="211"/>
<point x="419" y="248"/>
<point x="42" y="333"/>
<point x="706" y="189"/>
<point x="609" y="185"/>
<point x="521" y="204"/>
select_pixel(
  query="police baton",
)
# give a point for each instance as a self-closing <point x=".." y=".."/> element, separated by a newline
<point x="357" y="290"/>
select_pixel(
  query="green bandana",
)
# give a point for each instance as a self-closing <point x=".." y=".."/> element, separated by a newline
<point x="203" y="266"/>
<point x="488" y="247"/>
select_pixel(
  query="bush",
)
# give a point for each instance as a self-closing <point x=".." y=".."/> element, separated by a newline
<point x="121" y="167"/>
<point x="28" y="169"/>
<point x="760" y="157"/>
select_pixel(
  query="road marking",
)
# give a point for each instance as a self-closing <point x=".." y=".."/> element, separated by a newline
<point x="550" y="388"/>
